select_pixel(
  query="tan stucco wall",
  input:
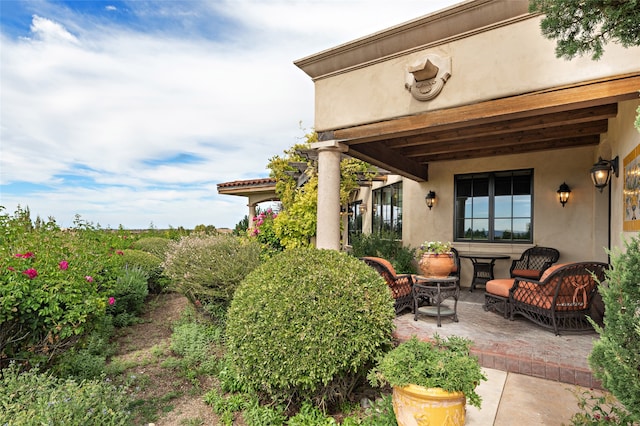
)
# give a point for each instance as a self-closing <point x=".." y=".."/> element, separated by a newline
<point x="578" y="230"/>
<point x="621" y="139"/>
<point x="504" y="61"/>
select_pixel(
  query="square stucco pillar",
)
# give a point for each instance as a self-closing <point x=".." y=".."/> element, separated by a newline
<point x="328" y="227"/>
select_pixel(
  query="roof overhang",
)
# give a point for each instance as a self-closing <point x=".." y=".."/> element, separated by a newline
<point x="557" y="118"/>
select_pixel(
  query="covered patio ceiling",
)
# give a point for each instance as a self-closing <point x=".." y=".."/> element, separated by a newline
<point x="561" y="117"/>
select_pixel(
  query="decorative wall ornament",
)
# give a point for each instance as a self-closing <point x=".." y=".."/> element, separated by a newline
<point x="426" y="77"/>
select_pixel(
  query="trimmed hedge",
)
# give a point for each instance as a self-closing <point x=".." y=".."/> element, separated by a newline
<point x="307" y="324"/>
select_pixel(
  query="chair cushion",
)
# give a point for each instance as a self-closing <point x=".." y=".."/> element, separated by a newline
<point x="500" y="287"/>
<point x="526" y="273"/>
<point x="551" y="269"/>
<point x="384" y="262"/>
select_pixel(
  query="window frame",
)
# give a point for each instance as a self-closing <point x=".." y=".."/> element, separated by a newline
<point x="394" y="210"/>
<point x="491" y="201"/>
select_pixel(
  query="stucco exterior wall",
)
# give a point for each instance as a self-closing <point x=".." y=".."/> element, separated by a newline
<point x="500" y="62"/>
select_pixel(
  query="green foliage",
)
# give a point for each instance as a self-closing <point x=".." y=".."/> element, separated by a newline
<point x="150" y="264"/>
<point x="208" y="269"/>
<point x="310" y="415"/>
<point x="50" y="294"/>
<point x="599" y="409"/>
<point x="306" y="324"/>
<point x="386" y="246"/>
<point x="296" y="222"/>
<point x="264" y="232"/>
<point x="259" y="415"/>
<point x="615" y="357"/>
<point x="195" y="341"/>
<point x="128" y="294"/>
<point x="585" y="26"/>
<point x="31" y="398"/>
<point x="444" y="363"/>
<point x="157" y="246"/>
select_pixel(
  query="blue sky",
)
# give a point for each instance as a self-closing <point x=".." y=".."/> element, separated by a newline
<point x="131" y="112"/>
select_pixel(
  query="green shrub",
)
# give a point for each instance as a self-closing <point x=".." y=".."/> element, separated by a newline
<point x="307" y="323"/>
<point x="149" y="263"/>
<point x="194" y="342"/>
<point x="128" y="295"/>
<point x="32" y="398"/>
<point x="616" y="355"/>
<point x="157" y="246"/>
<point x="208" y="269"/>
<point x="386" y="246"/>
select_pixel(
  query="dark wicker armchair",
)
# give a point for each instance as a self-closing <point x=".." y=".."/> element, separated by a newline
<point x="533" y="262"/>
<point x="562" y="299"/>
<point x="399" y="284"/>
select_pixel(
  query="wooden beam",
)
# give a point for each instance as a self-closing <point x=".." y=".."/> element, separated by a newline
<point x="511" y="149"/>
<point x="379" y="155"/>
<point x="555" y="100"/>
<point x="516" y="138"/>
<point x="544" y="121"/>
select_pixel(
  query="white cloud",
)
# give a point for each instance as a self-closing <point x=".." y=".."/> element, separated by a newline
<point x="110" y="99"/>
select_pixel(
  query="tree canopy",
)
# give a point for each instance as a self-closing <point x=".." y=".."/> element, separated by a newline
<point x="584" y="26"/>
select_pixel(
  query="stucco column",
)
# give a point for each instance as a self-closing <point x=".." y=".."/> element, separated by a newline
<point x="252" y="214"/>
<point x="328" y="228"/>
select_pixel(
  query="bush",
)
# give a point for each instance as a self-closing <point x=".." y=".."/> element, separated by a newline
<point x="208" y="269"/>
<point x="157" y="246"/>
<point x="386" y="246"/>
<point x="616" y="355"/>
<point x="307" y="323"/>
<point x="32" y="398"/>
<point x="128" y="295"/>
<point x="151" y="265"/>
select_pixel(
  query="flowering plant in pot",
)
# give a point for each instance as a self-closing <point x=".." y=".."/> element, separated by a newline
<point x="421" y="371"/>
<point x="435" y="258"/>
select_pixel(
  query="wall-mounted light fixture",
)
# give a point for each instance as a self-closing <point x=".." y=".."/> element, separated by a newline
<point x="363" y="208"/>
<point x="563" y="193"/>
<point x="601" y="172"/>
<point x="430" y="199"/>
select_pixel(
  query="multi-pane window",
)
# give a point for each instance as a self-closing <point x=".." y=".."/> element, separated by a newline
<point x="387" y="210"/>
<point x="494" y="207"/>
<point x="354" y="223"/>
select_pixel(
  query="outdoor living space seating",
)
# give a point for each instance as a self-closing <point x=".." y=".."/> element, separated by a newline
<point x="533" y="262"/>
<point x="399" y="284"/>
<point x="561" y="300"/>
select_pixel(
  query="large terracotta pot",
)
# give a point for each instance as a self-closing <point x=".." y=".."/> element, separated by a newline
<point x="419" y="406"/>
<point x="436" y="265"/>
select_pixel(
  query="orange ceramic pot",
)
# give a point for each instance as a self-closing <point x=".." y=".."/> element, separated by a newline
<point x="418" y="406"/>
<point x="436" y="265"/>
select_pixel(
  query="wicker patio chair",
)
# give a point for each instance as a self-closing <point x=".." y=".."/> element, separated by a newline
<point x="561" y="299"/>
<point x="533" y="262"/>
<point x="399" y="284"/>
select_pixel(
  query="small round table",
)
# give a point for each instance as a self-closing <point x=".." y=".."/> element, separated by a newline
<point x="435" y="290"/>
<point x="482" y="266"/>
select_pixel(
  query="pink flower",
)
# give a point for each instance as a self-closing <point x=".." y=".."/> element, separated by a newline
<point x="112" y="300"/>
<point x="11" y="268"/>
<point x="89" y="278"/>
<point x="120" y="252"/>
<point x="31" y="273"/>
<point x="64" y="265"/>
<point x="26" y="255"/>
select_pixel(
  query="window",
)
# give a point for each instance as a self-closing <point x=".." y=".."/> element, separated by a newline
<point x="494" y="207"/>
<point x="354" y="223"/>
<point x="387" y="210"/>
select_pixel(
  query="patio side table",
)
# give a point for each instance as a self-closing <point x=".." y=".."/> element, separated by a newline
<point x="435" y="290"/>
<point x="483" y="266"/>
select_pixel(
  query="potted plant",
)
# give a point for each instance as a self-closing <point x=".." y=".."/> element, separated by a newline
<point x="435" y="259"/>
<point x="431" y="380"/>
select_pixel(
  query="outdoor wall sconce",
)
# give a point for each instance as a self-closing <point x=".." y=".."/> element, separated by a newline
<point x="430" y="199"/>
<point x="601" y="172"/>
<point x="362" y="208"/>
<point x="563" y="193"/>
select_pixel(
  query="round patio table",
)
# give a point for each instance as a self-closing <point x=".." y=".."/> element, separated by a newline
<point x="435" y="290"/>
<point x="482" y="266"/>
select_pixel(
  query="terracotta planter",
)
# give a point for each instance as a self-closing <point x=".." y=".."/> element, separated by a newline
<point x="436" y="265"/>
<point x="417" y="406"/>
